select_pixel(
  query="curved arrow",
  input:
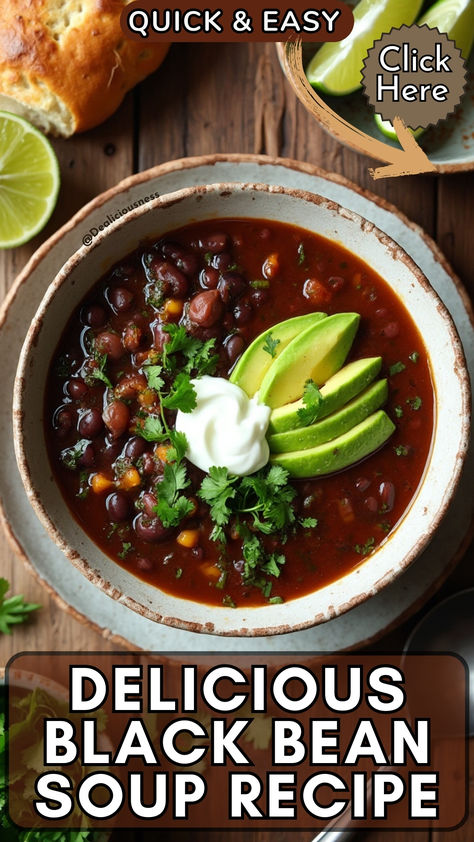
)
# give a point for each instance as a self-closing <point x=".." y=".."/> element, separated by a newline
<point x="409" y="160"/>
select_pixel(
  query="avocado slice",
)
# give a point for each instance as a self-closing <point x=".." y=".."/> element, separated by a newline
<point x="340" y="388"/>
<point x="254" y="363"/>
<point x="373" y="397"/>
<point x="341" y="452"/>
<point x="315" y="354"/>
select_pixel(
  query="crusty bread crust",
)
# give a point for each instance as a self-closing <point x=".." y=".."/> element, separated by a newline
<point x="66" y="64"/>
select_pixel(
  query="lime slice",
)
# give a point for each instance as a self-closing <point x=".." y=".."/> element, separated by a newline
<point x="386" y="127"/>
<point x="29" y="180"/>
<point x="456" y="18"/>
<point x="337" y="67"/>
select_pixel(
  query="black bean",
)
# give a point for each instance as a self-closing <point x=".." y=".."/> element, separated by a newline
<point x="206" y="308"/>
<point x="90" y="424"/>
<point x="259" y="297"/>
<point x="231" y="286"/>
<point x="234" y="346"/>
<point x="174" y="281"/>
<point x="94" y="316"/>
<point x="120" y="299"/>
<point x="63" y="421"/>
<point x="87" y="458"/>
<point x="215" y="242"/>
<point x="150" y="529"/>
<point x="135" y="448"/>
<point x="209" y="278"/>
<point x="243" y="313"/>
<point x="118" y="506"/>
<point x="76" y="388"/>
<point x="116" y="417"/>
<point x="185" y="260"/>
<point x="109" y="343"/>
<point x="222" y="261"/>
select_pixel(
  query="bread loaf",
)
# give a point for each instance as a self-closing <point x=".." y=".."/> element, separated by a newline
<point x="66" y="65"/>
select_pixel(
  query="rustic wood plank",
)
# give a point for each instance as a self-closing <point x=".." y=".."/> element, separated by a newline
<point x="89" y="163"/>
<point x="455" y="218"/>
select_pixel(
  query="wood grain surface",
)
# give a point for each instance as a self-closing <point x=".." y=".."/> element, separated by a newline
<point x="228" y="98"/>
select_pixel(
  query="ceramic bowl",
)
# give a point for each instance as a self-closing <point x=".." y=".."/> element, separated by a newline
<point x="328" y="219"/>
<point x="449" y="145"/>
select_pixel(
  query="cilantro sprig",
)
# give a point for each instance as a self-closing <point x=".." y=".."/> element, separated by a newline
<point x="270" y="345"/>
<point x="13" y="610"/>
<point x="312" y="400"/>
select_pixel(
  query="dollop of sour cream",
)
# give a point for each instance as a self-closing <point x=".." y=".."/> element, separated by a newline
<point x="226" y="428"/>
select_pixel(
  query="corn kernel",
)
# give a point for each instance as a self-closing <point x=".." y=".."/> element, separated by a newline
<point x="188" y="538"/>
<point x="147" y="398"/>
<point x="129" y="479"/>
<point x="100" y="483"/>
<point x="210" y="571"/>
<point x="271" y="267"/>
<point x="172" y="308"/>
<point x="161" y="452"/>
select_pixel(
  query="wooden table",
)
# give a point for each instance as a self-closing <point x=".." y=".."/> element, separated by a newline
<point x="228" y="98"/>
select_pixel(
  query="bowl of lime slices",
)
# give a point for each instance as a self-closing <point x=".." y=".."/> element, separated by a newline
<point x="334" y="70"/>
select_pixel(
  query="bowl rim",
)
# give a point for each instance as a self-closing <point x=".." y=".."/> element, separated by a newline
<point x="288" y="72"/>
<point x="164" y="201"/>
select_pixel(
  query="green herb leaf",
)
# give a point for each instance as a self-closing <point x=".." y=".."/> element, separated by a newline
<point x="13" y="610"/>
<point x="151" y="429"/>
<point x="401" y="450"/>
<point x="414" y="356"/>
<point x="276" y="600"/>
<point x="308" y="522"/>
<point x="301" y="254"/>
<point x="98" y="373"/>
<point x="365" y="549"/>
<point x="126" y="548"/>
<point x="270" y="345"/>
<point x="228" y="601"/>
<point x="260" y="284"/>
<point x="312" y="400"/>
<point x="70" y="456"/>
<point x="398" y="412"/>
<point x="153" y="376"/>
<point x="396" y="368"/>
<point x="182" y="395"/>
<point x="415" y="403"/>
<point x="218" y="489"/>
<point x="172" y="506"/>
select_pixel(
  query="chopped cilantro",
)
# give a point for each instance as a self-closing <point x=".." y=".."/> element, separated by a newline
<point x="126" y="548"/>
<point x="260" y="284"/>
<point x="301" y="254"/>
<point x="153" y="376"/>
<point x="413" y="357"/>
<point x="312" y="400"/>
<point x="84" y="485"/>
<point x="70" y="456"/>
<point x="97" y="372"/>
<point x="396" y="368"/>
<point x="415" y="403"/>
<point x="308" y="522"/>
<point x="398" y="412"/>
<point x="270" y="345"/>
<point x="228" y="601"/>
<point x="385" y="526"/>
<point x="208" y="257"/>
<point x="365" y="549"/>
<point x="182" y="395"/>
<point x="151" y="429"/>
<point x="401" y="450"/>
<point x="178" y="572"/>
<point x="276" y="600"/>
<point x="172" y="506"/>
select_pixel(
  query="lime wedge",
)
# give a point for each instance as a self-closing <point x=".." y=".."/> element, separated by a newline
<point x="29" y="180"/>
<point x="386" y="127"/>
<point x="456" y="18"/>
<point x="337" y="66"/>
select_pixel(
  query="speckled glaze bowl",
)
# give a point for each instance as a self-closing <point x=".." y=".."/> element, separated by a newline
<point x="450" y="378"/>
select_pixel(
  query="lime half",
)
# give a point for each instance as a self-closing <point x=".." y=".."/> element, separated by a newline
<point x="336" y="68"/>
<point x="386" y="127"/>
<point x="456" y="18"/>
<point x="29" y="180"/>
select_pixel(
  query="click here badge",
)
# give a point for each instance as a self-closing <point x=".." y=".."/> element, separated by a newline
<point x="415" y="73"/>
